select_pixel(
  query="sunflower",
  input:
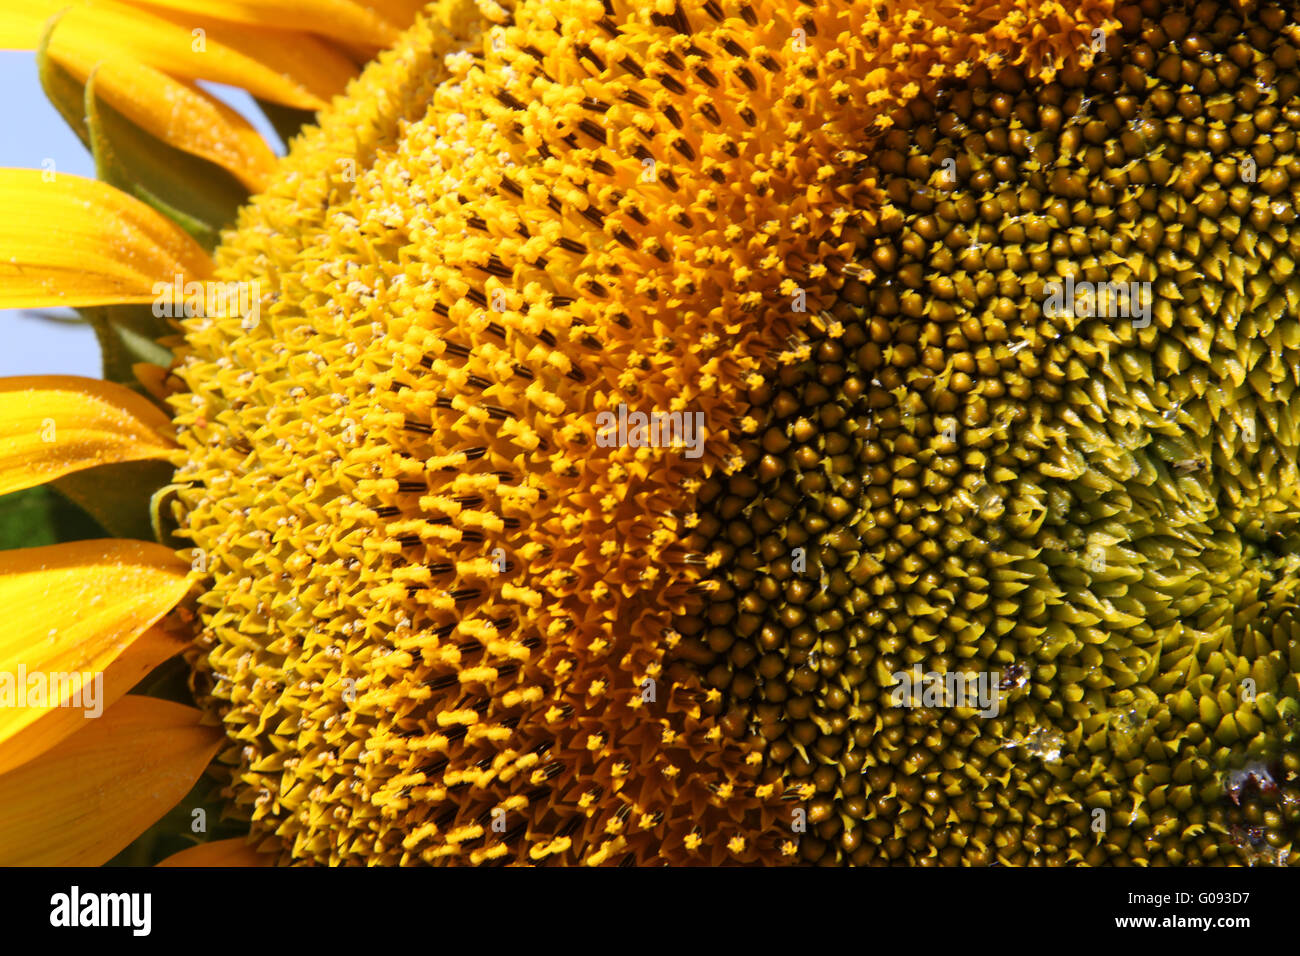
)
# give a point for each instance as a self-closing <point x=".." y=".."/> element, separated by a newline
<point x="353" y="436"/>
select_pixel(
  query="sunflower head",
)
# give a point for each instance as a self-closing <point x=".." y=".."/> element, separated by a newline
<point x="980" y="552"/>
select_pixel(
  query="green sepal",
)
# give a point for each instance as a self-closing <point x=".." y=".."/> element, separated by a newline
<point x="118" y="496"/>
<point x="39" y="516"/>
<point x="61" y="88"/>
<point x="127" y="334"/>
<point x="162" y="521"/>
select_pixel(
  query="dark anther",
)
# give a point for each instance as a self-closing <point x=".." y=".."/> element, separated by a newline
<point x="585" y="53"/>
<point x="671" y="83"/>
<point x="509" y="101"/>
<point x="591" y="129"/>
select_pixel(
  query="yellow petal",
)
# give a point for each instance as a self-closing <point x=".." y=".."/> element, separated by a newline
<point x="340" y="19"/>
<point x="57" y="723"/>
<point x="286" y="67"/>
<point x="400" y="12"/>
<point x="316" y="69"/>
<point x="20" y="23"/>
<point x="232" y="852"/>
<point x="51" y="425"/>
<point x="80" y="803"/>
<point x="75" y="608"/>
<point x="181" y="114"/>
<point x="74" y="241"/>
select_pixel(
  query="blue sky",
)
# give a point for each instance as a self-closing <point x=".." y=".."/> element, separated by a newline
<point x="35" y="133"/>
